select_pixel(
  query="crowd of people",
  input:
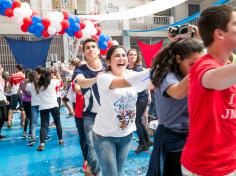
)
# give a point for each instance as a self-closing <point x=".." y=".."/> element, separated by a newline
<point x="193" y="94"/>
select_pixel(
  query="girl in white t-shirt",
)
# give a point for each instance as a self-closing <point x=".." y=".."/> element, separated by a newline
<point x="48" y="104"/>
<point x="115" y="120"/>
<point x="33" y="88"/>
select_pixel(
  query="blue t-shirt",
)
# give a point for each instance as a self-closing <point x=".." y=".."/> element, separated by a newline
<point x="141" y="95"/>
<point x="91" y="95"/>
<point x="172" y="113"/>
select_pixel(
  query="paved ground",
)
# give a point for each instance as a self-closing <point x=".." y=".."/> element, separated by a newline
<point x="16" y="158"/>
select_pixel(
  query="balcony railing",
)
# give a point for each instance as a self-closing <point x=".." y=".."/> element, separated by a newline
<point x="144" y="23"/>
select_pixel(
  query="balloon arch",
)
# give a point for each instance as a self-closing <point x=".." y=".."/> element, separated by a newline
<point x="53" y="23"/>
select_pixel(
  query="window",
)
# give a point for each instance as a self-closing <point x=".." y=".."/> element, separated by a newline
<point x="193" y="8"/>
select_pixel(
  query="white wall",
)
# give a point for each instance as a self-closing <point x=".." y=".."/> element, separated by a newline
<point x="179" y="13"/>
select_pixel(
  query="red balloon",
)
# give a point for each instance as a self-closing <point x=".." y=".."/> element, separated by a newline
<point x="78" y="34"/>
<point x="9" y="12"/>
<point x="98" y="30"/>
<point x="24" y="27"/>
<point x="65" y="24"/>
<point x="45" y="33"/>
<point x="16" y="4"/>
<point x="62" y="32"/>
<point x="27" y="20"/>
<point x="110" y="44"/>
<point x="103" y="52"/>
<point x="46" y="22"/>
<point x="65" y="14"/>
<point x="95" y="37"/>
<point x="82" y="25"/>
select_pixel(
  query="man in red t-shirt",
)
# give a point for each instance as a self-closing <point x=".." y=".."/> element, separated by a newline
<point x="210" y="149"/>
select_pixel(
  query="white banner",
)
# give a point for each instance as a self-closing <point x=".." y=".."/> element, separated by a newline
<point x="144" y="10"/>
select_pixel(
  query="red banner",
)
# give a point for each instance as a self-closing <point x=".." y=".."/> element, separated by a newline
<point x="149" y="51"/>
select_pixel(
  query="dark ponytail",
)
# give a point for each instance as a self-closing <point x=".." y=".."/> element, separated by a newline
<point x="165" y="61"/>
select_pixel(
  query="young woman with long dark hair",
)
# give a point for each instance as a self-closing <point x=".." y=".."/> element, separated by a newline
<point x="49" y="104"/>
<point x="33" y="87"/>
<point x="170" y="77"/>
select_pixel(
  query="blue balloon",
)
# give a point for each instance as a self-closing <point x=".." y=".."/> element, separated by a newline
<point x="103" y="45"/>
<point x="100" y="42"/>
<point x="102" y="37"/>
<point x="70" y="32"/>
<point x="31" y="29"/>
<point x="1" y="5"/>
<point x="38" y="33"/>
<point x="75" y="27"/>
<point x="39" y="27"/>
<point x="77" y="19"/>
<point x="108" y="38"/>
<point x="36" y="19"/>
<point x="71" y="20"/>
<point x="6" y="4"/>
<point x="2" y="12"/>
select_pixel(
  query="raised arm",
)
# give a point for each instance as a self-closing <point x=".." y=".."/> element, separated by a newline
<point x="220" y="78"/>
<point x="65" y="69"/>
<point x="139" y="80"/>
<point x="84" y="82"/>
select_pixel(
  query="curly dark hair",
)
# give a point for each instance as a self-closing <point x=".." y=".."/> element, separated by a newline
<point x="165" y="61"/>
<point x="45" y="78"/>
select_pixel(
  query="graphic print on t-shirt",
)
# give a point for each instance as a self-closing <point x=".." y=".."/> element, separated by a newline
<point x="230" y="113"/>
<point x="125" y="108"/>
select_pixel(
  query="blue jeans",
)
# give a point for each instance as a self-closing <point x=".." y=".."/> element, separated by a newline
<point x="80" y="128"/>
<point x="112" y="153"/>
<point x="88" y="131"/>
<point x="34" y="116"/>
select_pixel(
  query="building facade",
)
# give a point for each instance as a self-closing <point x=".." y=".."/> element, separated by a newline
<point x="63" y="47"/>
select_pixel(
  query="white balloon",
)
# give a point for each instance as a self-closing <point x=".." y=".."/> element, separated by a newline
<point x="28" y="12"/>
<point x="25" y="5"/>
<point x="58" y="27"/>
<point x="93" y="31"/>
<point x="21" y="13"/>
<point x="58" y="15"/>
<point x="88" y="23"/>
<point x="50" y="16"/>
<point x="85" y="34"/>
<point x="17" y="12"/>
<point x="89" y="29"/>
<point x="52" y="30"/>
<point x="54" y="22"/>
<point x="115" y="42"/>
